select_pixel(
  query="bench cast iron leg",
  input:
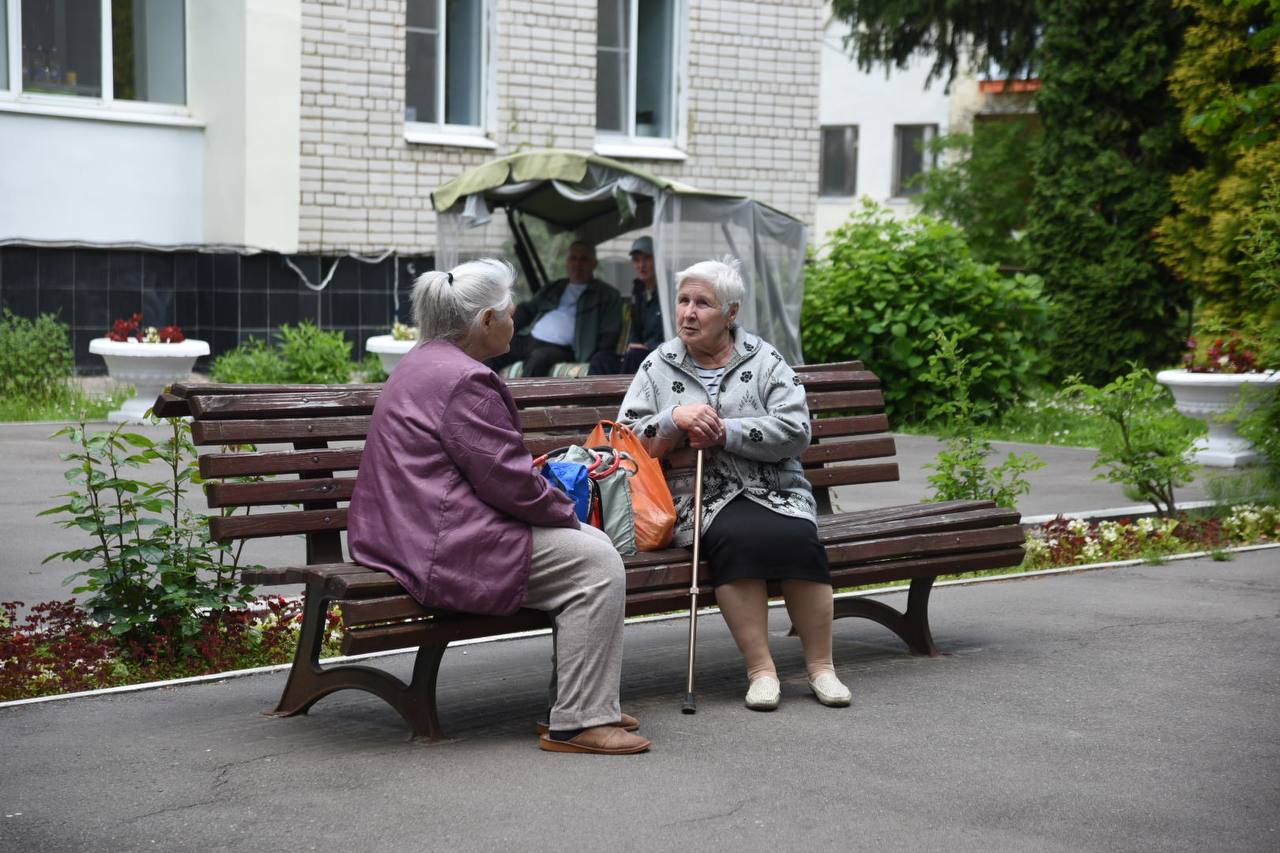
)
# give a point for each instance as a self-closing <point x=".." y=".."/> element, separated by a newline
<point x="912" y="626"/>
<point x="309" y="682"/>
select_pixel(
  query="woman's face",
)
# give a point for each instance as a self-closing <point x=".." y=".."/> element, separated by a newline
<point x="700" y="322"/>
<point x="496" y="329"/>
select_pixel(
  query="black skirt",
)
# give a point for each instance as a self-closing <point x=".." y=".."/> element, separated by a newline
<point x="748" y="541"/>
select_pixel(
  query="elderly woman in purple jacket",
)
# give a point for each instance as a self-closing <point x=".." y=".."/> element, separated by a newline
<point x="448" y="503"/>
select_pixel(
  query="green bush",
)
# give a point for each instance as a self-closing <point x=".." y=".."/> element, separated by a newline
<point x="306" y="354"/>
<point x="1111" y="141"/>
<point x="960" y="471"/>
<point x="987" y="190"/>
<point x="1147" y="447"/>
<point x="886" y="285"/>
<point x="1226" y="80"/>
<point x="150" y="567"/>
<point x="36" y="361"/>
<point x="312" y="355"/>
<point x="253" y="362"/>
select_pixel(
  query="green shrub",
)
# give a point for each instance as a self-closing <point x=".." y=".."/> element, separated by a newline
<point x="306" y="355"/>
<point x="886" y="285"/>
<point x="987" y="190"/>
<point x="1226" y="81"/>
<point x="315" y="356"/>
<point x="960" y="471"/>
<point x="253" y="362"/>
<point x="1111" y="141"/>
<point x="36" y="361"/>
<point x="150" y="566"/>
<point x="1147" y="448"/>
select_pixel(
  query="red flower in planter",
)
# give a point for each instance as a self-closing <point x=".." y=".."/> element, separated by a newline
<point x="122" y="330"/>
<point x="132" y="329"/>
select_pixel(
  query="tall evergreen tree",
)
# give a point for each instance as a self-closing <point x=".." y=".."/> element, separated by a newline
<point x="972" y="33"/>
<point x="1111" y="141"/>
<point x="1227" y="81"/>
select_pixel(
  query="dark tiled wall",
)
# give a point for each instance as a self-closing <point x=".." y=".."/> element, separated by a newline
<point x="223" y="298"/>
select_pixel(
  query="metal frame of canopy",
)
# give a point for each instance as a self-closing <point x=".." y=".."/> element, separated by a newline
<point x="597" y="199"/>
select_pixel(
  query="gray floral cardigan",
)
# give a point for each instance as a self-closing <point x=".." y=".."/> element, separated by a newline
<point x="766" y="429"/>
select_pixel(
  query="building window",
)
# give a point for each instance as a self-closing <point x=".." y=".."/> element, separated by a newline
<point x="911" y="156"/>
<point x="4" y="45"/>
<point x="636" y="60"/>
<point x="444" y="62"/>
<point x="838" y="172"/>
<point x="61" y="44"/>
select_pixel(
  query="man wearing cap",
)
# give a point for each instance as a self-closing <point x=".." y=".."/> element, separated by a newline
<point x="573" y="319"/>
<point x="646" y="315"/>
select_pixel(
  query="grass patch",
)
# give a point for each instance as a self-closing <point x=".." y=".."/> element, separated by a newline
<point x="1046" y="416"/>
<point x="76" y="406"/>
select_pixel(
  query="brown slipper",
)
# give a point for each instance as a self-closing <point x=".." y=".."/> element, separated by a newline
<point x="627" y="722"/>
<point x="597" y="740"/>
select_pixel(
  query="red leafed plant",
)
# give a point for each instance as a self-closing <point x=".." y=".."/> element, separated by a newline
<point x="1231" y="354"/>
<point x="123" y="330"/>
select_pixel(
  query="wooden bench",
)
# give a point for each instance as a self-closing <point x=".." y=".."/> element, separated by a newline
<point x="321" y="427"/>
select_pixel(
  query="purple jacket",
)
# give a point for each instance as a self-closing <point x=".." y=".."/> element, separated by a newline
<point x="446" y="492"/>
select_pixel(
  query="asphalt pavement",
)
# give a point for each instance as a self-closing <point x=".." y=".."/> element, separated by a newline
<point x="1114" y="710"/>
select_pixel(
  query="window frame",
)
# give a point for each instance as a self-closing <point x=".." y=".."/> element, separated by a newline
<point x="106" y="106"/>
<point x="927" y="160"/>
<point x="458" y="135"/>
<point x="853" y="171"/>
<point x="627" y="144"/>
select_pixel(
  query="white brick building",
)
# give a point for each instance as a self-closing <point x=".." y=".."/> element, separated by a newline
<point x="745" y="113"/>
<point x="181" y="159"/>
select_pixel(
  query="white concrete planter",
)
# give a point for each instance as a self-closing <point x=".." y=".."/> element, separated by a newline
<point x="149" y="368"/>
<point x="389" y="350"/>
<point x="1209" y="396"/>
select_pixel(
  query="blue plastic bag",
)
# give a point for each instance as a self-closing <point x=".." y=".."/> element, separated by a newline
<point x="572" y="479"/>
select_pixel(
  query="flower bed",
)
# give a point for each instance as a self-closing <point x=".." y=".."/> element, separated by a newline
<point x="58" y="648"/>
<point x="1072" y="542"/>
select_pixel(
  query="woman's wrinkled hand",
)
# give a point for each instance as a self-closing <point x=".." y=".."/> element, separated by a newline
<point x="702" y="423"/>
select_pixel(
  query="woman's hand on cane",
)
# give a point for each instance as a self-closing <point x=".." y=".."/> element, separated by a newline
<point x="702" y="423"/>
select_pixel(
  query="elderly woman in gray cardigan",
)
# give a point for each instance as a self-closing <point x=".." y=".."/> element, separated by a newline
<point x="719" y="388"/>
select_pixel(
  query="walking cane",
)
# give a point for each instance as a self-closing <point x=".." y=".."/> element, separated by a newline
<point x="690" y="703"/>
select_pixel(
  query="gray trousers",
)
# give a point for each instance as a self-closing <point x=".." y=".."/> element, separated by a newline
<point x="578" y="577"/>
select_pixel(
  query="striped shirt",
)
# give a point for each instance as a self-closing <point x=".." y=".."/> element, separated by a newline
<point x="710" y="378"/>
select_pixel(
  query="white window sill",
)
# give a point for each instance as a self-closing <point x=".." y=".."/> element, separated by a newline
<point x="96" y="111"/>
<point x="434" y="136"/>
<point x="625" y="149"/>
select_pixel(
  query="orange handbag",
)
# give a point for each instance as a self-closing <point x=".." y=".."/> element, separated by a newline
<point x="651" y="505"/>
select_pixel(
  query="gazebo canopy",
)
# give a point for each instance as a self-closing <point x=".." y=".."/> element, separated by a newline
<point x="598" y="199"/>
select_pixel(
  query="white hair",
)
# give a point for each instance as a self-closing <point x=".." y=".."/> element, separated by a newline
<point x="448" y="305"/>
<point x="724" y="276"/>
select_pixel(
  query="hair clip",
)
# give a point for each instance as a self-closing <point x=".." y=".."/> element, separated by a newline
<point x="449" y="276"/>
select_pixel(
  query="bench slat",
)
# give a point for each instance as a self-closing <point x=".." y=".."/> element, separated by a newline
<point x="387" y="637"/>
<point x="849" y="425"/>
<point x="280" y="462"/>
<point x="279" y="431"/>
<point x="846" y="475"/>
<point x="279" y="492"/>
<point x="291" y="405"/>
<point x="277" y="523"/>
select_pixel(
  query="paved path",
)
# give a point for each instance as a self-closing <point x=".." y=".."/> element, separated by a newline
<point x="1126" y="709"/>
<point x="33" y="475"/>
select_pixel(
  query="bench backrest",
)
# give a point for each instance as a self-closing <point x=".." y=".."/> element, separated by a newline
<point x="307" y="442"/>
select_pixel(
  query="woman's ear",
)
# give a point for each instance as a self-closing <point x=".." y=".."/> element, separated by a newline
<point x="733" y="311"/>
<point x="487" y="317"/>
